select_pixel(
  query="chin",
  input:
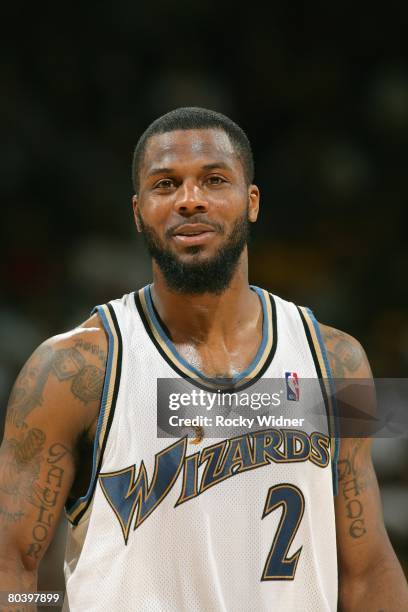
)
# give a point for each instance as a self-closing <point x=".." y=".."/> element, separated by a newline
<point x="196" y="250"/>
<point x="196" y="255"/>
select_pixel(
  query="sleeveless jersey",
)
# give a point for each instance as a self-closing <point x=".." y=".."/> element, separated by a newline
<point x="219" y="524"/>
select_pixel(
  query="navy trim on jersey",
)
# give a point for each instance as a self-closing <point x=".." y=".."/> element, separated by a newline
<point x="333" y="398"/>
<point x="76" y="509"/>
<point x="195" y="370"/>
<point x="197" y="377"/>
<point x="333" y="431"/>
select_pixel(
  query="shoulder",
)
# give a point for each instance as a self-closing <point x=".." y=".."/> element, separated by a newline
<point x="80" y="356"/>
<point x="346" y="356"/>
<point x="89" y="335"/>
<point x="63" y="376"/>
<point x="354" y="389"/>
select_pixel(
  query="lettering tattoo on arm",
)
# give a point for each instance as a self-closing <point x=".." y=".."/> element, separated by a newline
<point x="354" y="478"/>
<point x="25" y="487"/>
<point x="20" y="481"/>
<point x="46" y="498"/>
<point x="346" y="356"/>
<point x="67" y="365"/>
<point x="94" y="349"/>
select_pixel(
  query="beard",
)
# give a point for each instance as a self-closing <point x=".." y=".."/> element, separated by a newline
<point x="199" y="276"/>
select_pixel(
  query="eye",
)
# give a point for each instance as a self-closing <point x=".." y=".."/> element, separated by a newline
<point x="164" y="184"/>
<point x="215" y="180"/>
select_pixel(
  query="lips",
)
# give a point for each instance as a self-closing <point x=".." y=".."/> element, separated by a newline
<point x="192" y="234"/>
<point x="192" y="229"/>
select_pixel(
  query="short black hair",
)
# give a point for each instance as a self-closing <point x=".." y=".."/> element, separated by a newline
<point x="195" y="118"/>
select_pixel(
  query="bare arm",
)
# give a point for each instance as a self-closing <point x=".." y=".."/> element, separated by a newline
<point x="55" y="402"/>
<point x="370" y="576"/>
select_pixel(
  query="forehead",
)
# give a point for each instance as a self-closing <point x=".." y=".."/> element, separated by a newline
<point x="188" y="146"/>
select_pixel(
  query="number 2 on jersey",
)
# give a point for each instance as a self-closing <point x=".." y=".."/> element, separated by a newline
<point x="278" y="566"/>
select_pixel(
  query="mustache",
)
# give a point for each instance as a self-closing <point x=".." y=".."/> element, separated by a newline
<point x="217" y="227"/>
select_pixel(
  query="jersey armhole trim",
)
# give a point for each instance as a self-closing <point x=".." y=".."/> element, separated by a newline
<point x="321" y="361"/>
<point x="77" y="509"/>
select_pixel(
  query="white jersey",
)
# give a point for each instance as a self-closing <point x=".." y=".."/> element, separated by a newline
<point x="213" y="522"/>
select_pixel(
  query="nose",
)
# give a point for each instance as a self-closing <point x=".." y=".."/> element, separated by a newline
<point x="190" y="200"/>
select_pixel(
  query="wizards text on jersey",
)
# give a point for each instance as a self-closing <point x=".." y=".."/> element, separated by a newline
<point x="222" y="460"/>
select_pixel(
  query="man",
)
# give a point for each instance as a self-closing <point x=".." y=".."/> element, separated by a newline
<point x="245" y="523"/>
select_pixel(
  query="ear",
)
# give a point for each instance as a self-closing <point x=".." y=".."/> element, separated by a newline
<point x="253" y="203"/>
<point x="136" y="213"/>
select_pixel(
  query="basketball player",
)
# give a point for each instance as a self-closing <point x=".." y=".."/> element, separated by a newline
<point x="247" y="523"/>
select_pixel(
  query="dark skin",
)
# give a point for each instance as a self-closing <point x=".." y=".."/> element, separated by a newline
<point x="54" y="406"/>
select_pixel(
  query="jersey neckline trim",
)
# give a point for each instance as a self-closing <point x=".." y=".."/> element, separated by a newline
<point x="264" y="355"/>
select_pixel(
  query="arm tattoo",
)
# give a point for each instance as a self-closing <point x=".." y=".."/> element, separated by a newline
<point x="10" y="517"/>
<point x="20" y="457"/>
<point x="65" y="364"/>
<point x="87" y="380"/>
<point x="20" y="463"/>
<point x="92" y="348"/>
<point x="354" y="474"/>
<point x="87" y="385"/>
<point x="353" y="480"/>
<point x="344" y="355"/>
<point x="46" y="499"/>
<point x="27" y="391"/>
<point x="20" y="481"/>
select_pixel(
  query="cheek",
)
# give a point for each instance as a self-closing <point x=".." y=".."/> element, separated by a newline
<point x="153" y="212"/>
<point x="231" y="201"/>
<point x="235" y="207"/>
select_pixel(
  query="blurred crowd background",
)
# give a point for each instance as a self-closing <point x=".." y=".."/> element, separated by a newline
<point x="322" y="92"/>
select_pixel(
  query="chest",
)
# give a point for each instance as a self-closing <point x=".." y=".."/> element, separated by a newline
<point x="222" y="358"/>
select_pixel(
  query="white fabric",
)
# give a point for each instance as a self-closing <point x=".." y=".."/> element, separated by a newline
<point x="207" y="554"/>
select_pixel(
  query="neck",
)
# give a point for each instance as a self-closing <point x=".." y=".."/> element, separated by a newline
<point x="198" y="317"/>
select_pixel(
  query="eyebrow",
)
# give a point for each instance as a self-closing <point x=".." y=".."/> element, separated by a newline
<point x="216" y="165"/>
<point x="155" y="171"/>
<point x="213" y="166"/>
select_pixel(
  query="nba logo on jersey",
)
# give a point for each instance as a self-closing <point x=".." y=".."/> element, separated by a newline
<point x="292" y="386"/>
